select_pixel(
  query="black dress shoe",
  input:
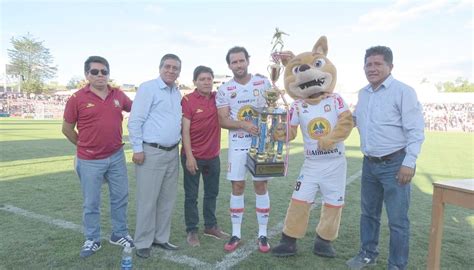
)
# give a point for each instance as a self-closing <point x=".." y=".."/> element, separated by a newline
<point x="167" y="246"/>
<point x="143" y="252"/>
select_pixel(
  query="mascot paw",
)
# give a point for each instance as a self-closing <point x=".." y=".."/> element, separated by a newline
<point x="325" y="144"/>
<point x="280" y="133"/>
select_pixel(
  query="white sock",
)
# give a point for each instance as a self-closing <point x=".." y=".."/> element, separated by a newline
<point x="262" y="205"/>
<point x="236" y="213"/>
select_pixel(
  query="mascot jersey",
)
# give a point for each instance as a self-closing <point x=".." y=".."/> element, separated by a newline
<point x="241" y="99"/>
<point x="317" y="121"/>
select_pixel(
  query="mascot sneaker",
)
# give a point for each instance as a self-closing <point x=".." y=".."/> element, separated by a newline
<point x="287" y="247"/>
<point x="323" y="248"/>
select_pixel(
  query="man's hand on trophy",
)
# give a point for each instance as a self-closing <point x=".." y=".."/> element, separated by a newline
<point x="280" y="133"/>
<point x="249" y="127"/>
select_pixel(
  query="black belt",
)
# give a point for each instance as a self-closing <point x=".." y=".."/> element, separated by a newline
<point x="387" y="157"/>
<point x="166" y="148"/>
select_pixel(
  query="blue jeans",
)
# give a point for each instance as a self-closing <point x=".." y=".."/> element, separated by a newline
<point x="210" y="170"/>
<point x="91" y="174"/>
<point x="379" y="185"/>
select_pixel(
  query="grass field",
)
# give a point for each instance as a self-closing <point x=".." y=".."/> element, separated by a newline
<point x="41" y="209"/>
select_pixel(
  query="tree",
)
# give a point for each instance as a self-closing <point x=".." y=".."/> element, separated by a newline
<point x="31" y="60"/>
<point x="459" y="85"/>
<point x="76" y="83"/>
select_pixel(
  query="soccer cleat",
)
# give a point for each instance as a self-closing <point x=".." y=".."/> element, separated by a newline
<point x="263" y="245"/>
<point x="232" y="244"/>
<point x="89" y="248"/>
<point x="124" y="241"/>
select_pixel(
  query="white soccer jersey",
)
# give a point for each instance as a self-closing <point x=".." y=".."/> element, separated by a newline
<point x="240" y="99"/>
<point x="317" y="121"/>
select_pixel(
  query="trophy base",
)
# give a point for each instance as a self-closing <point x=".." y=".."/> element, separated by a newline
<point x="265" y="169"/>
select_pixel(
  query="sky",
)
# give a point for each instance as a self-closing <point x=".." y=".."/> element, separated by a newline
<point x="431" y="40"/>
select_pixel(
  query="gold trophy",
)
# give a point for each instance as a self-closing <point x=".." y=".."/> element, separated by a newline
<point x="262" y="159"/>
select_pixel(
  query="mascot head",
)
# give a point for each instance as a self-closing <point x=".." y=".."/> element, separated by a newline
<point x="310" y="74"/>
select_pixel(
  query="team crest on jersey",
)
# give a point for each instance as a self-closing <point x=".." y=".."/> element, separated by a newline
<point x="233" y="87"/>
<point x="256" y="92"/>
<point x="327" y="108"/>
<point x="246" y="113"/>
<point x="318" y="127"/>
<point x="116" y="103"/>
<point x="199" y="111"/>
<point x="233" y="95"/>
<point x="258" y="83"/>
<point x="89" y="105"/>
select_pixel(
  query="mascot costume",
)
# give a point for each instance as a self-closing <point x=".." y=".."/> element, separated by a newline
<point x="325" y="122"/>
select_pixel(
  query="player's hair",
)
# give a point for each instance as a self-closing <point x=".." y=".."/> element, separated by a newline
<point x="236" y="49"/>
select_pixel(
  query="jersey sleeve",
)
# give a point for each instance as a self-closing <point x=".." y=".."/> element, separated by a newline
<point x="294" y="116"/>
<point x="340" y="104"/>
<point x="221" y="98"/>
<point x="71" y="109"/>
<point x="187" y="112"/>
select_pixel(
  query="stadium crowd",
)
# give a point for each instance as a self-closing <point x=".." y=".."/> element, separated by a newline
<point x="438" y="116"/>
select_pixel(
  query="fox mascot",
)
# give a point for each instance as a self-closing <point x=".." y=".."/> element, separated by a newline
<point x="325" y="122"/>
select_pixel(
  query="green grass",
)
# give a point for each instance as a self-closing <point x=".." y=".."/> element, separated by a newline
<point x="36" y="175"/>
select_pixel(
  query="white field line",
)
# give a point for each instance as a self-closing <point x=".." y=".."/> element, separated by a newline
<point x="227" y="262"/>
<point x="182" y="259"/>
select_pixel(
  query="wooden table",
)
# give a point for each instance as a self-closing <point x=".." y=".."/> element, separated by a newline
<point x="457" y="192"/>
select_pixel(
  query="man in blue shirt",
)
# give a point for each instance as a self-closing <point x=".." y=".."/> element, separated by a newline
<point x="155" y="131"/>
<point x="390" y="123"/>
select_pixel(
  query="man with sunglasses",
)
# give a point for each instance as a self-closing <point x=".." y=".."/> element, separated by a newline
<point x="96" y="109"/>
<point x="155" y="131"/>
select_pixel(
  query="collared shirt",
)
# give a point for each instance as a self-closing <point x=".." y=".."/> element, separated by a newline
<point x="155" y="116"/>
<point x="205" y="132"/>
<point x="390" y="119"/>
<point x="99" y="121"/>
<point x="241" y="99"/>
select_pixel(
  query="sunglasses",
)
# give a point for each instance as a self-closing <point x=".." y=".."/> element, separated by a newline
<point x="96" y="72"/>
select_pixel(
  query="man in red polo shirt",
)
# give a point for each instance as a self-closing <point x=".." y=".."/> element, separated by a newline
<point x="97" y="109"/>
<point x="201" y="135"/>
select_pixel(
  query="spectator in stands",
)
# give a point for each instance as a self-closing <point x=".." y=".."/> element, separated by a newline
<point x="97" y="109"/>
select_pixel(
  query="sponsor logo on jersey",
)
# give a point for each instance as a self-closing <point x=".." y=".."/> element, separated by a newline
<point x="116" y="103"/>
<point x="233" y="95"/>
<point x="258" y="82"/>
<point x="304" y="105"/>
<point x="319" y="127"/>
<point x="89" y="105"/>
<point x="246" y="113"/>
<point x="244" y="101"/>
<point x="233" y="87"/>
<point x="341" y="199"/>
<point x="199" y="111"/>
<point x="305" y="111"/>
<point x="316" y="152"/>
<point x="256" y="92"/>
<point x="327" y="108"/>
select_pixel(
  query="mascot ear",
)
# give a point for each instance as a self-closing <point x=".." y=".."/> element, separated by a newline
<point x="286" y="56"/>
<point x="321" y="46"/>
